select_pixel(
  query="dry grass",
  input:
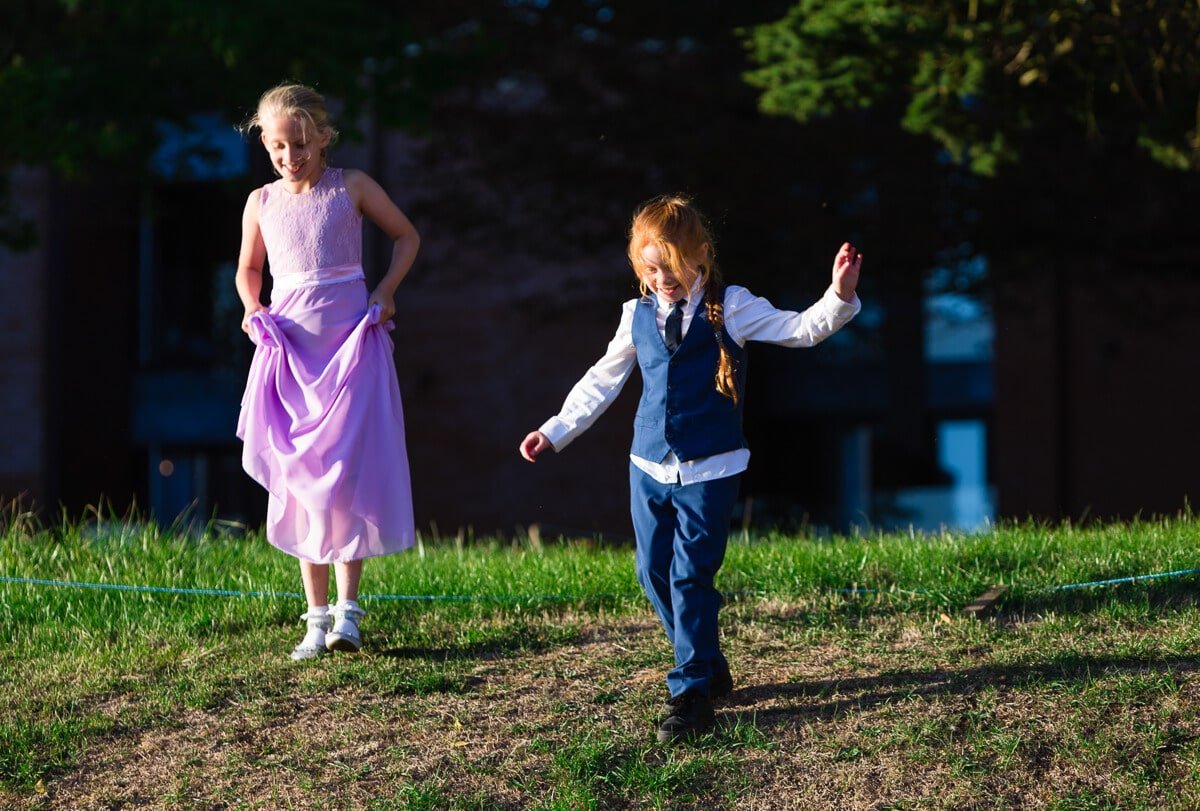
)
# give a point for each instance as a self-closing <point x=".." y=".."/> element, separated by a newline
<point x="892" y="712"/>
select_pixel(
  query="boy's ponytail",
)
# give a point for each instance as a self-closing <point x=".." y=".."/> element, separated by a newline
<point x="714" y="297"/>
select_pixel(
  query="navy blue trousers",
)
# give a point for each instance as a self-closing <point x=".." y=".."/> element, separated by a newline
<point x="682" y="532"/>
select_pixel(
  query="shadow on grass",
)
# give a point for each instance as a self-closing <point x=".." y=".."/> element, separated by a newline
<point x="850" y="695"/>
<point x="474" y="651"/>
<point x="1162" y="595"/>
<point x="516" y="642"/>
<point x="1017" y="604"/>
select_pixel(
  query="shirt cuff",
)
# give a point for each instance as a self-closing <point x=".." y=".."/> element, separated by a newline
<point x="557" y="432"/>
<point x="838" y="309"/>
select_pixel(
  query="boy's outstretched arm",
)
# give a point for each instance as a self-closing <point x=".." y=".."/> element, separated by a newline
<point x="591" y="396"/>
<point x="845" y="271"/>
<point x="533" y="445"/>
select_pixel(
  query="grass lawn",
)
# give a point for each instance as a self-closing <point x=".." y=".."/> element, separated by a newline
<point x="858" y="682"/>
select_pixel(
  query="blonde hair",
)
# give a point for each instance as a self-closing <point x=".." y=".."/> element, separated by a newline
<point x="673" y="225"/>
<point x="294" y="101"/>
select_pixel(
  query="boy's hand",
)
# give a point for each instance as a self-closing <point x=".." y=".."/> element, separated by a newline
<point x="845" y="271"/>
<point x="533" y="445"/>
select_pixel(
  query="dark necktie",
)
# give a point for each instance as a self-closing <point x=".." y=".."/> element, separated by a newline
<point x="674" y="328"/>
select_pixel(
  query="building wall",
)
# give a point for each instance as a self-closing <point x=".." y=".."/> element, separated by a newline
<point x="94" y="243"/>
<point x="67" y="320"/>
<point x="1095" y="385"/>
<point x="23" y="325"/>
<point x="1096" y="396"/>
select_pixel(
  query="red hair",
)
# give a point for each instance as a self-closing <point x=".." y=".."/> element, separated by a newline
<point x="673" y="225"/>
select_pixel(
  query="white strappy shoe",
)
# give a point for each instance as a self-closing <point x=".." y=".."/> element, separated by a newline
<point x="313" y="644"/>
<point x="345" y="635"/>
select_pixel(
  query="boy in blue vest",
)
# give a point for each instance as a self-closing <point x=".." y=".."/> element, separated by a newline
<point x="687" y="334"/>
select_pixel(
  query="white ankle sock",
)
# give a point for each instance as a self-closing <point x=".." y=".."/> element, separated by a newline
<point x="350" y="607"/>
<point x="318" y="624"/>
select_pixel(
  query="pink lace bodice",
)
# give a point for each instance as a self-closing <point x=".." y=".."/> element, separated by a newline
<point x="308" y="233"/>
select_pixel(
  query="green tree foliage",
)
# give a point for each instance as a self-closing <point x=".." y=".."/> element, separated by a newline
<point x="87" y="85"/>
<point x="985" y="77"/>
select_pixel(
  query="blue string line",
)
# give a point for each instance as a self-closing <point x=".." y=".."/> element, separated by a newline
<point x="147" y="589"/>
<point x="291" y="594"/>
<point x="1116" y="580"/>
<point x="499" y="598"/>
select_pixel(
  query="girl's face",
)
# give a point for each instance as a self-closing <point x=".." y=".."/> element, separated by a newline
<point x="659" y="277"/>
<point x="295" y="151"/>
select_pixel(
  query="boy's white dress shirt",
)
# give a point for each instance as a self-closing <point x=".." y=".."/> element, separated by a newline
<point x="747" y="318"/>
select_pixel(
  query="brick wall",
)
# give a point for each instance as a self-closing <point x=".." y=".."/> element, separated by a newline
<point x="1096" y="397"/>
<point x="22" y="348"/>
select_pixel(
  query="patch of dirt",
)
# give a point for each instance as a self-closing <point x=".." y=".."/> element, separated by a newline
<point x="905" y="711"/>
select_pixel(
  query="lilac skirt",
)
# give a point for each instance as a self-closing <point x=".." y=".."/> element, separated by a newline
<point x="323" y="427"/>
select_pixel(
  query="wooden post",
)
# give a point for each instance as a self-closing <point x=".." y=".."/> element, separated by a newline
<point x="984" y="602"/>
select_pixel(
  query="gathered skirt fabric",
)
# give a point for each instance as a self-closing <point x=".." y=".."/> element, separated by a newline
<point x="323" y="427"/>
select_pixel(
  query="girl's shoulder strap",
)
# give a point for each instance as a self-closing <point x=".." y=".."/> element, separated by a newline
<point x="340" y="183"/>
<point x="336" y="179"/>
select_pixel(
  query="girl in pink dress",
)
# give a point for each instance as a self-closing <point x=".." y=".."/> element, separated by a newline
<point x="321" y="418"/>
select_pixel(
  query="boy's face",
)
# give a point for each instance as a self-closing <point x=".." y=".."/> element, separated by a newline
<point x="295" y="152"/>
<point x="659" y="277"/>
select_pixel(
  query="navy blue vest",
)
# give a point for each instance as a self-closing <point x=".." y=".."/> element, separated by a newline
<point x="681" y="409"/>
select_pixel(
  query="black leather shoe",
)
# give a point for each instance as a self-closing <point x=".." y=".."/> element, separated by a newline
<point x="691" y="715"/>
<point x="719" y="687"/>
